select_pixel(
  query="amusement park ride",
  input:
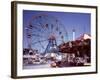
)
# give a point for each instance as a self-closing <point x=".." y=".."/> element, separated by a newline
<point x="44" y="34"/>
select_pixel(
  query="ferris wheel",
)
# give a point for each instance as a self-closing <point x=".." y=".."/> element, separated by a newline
<point x="44" y="32"/>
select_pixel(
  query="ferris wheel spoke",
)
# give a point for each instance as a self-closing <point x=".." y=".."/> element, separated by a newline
<point x="41" y="45"/>
<point x="37" y="35"/>
<point x="42" y="26"/>
<point x="35" y="28"/>
<point x="44" y="29"/>
<point x="39" y="41"/>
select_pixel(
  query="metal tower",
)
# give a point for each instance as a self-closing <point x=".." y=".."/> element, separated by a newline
<point x="73" y="34"/>
<point x="52" y="46"/>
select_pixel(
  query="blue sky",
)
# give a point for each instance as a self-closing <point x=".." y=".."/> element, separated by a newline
<point x="71" y="20"/>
